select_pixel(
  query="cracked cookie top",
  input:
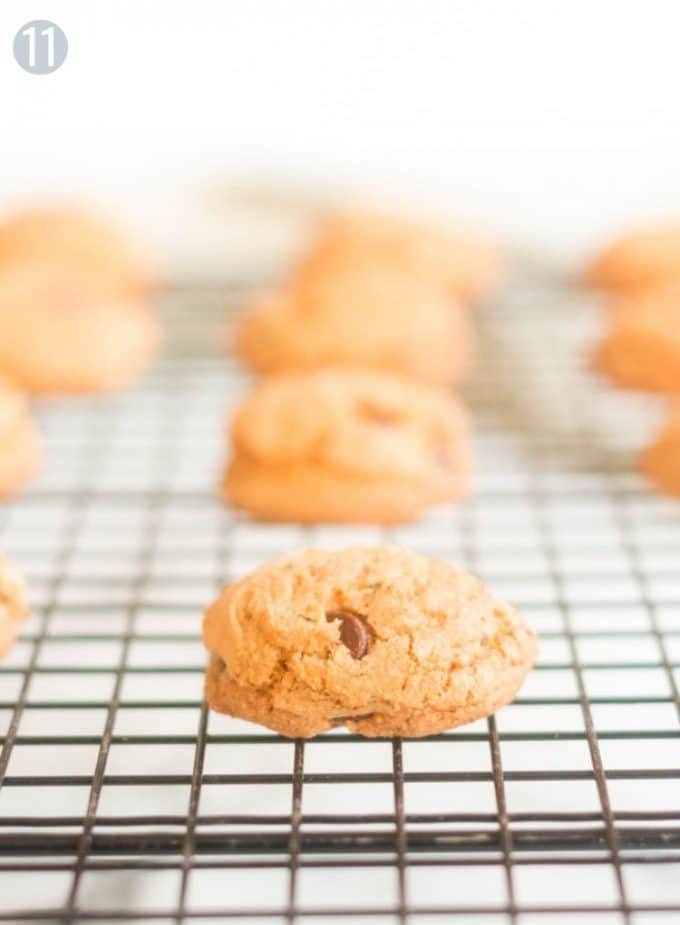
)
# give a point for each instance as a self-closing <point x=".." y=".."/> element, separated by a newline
<point x="363" y="630"/>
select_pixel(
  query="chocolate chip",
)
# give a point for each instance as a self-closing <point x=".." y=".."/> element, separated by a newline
<point x="354" y="633"/>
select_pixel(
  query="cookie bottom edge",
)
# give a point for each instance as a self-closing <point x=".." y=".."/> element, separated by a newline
<point x="315" y="496"/>
<point x="224" y="695"/>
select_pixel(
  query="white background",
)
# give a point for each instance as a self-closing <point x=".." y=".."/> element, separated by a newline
<point x="547" y="122"/>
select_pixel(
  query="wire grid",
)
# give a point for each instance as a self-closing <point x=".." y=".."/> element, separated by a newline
<point x="123" y="799"/>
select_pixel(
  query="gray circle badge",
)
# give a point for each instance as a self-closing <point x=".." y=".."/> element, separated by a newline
<point x="40" y="46"/>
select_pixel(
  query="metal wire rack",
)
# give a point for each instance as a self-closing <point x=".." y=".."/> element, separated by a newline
<point x="123" y="799"/>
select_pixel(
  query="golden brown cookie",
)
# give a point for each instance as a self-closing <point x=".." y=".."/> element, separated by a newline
<point x="382" y="641"/>
<point x="346" y="446"/>
<point x="13" y="607"/>
<point x="463" y="265"/>
<point x="641" y="349"/>
<point x="76" y="239"/>
<point x="660" y="462"/>
<point x="20" y="449"/>
<point x="640" y="260"/>
<point x="359" y="316"/>
<point x="59" y="334"/>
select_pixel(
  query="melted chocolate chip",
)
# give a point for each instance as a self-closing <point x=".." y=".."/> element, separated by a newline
<point x="354" y="633"/>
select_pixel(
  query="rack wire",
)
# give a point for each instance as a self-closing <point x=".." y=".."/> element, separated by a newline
<point x="123" y="799"/>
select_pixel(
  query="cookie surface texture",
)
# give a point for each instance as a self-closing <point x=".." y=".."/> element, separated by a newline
<point x="434" y="649"/>
<point x="343" y="446"/>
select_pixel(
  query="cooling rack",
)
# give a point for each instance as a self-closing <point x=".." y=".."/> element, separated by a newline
<point x="123" y="799"/>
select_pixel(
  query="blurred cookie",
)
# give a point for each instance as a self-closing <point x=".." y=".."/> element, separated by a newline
<point x="380" y="640"/>
<point x="345" y="446"/>
<point x="13" y="606"/>
<point x="76" y="239"/>
<point x="641" y="349"/>
<point x="463" y="265"/>
<point x="641" y="260"/>
<point x="20" y="450"/>
<point x="360" y="316"/>
<point x="59" y="334"/>
<point x="660" y="462"/>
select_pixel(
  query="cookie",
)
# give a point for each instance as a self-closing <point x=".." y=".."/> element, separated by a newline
<point x="660" y="462"/>
<point x="640" y="260"/>
<point x="58" y="334"/>
<point x="74" y="238"/>
<point x="463" y="265"/>
<point x="358" y="316"/>
<point x="382" y="641"/>
<point x="20" y="449"/>
<point x="13" y="607"/>
<point x="641" y="349"/>
<point x="346" y="446"/>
